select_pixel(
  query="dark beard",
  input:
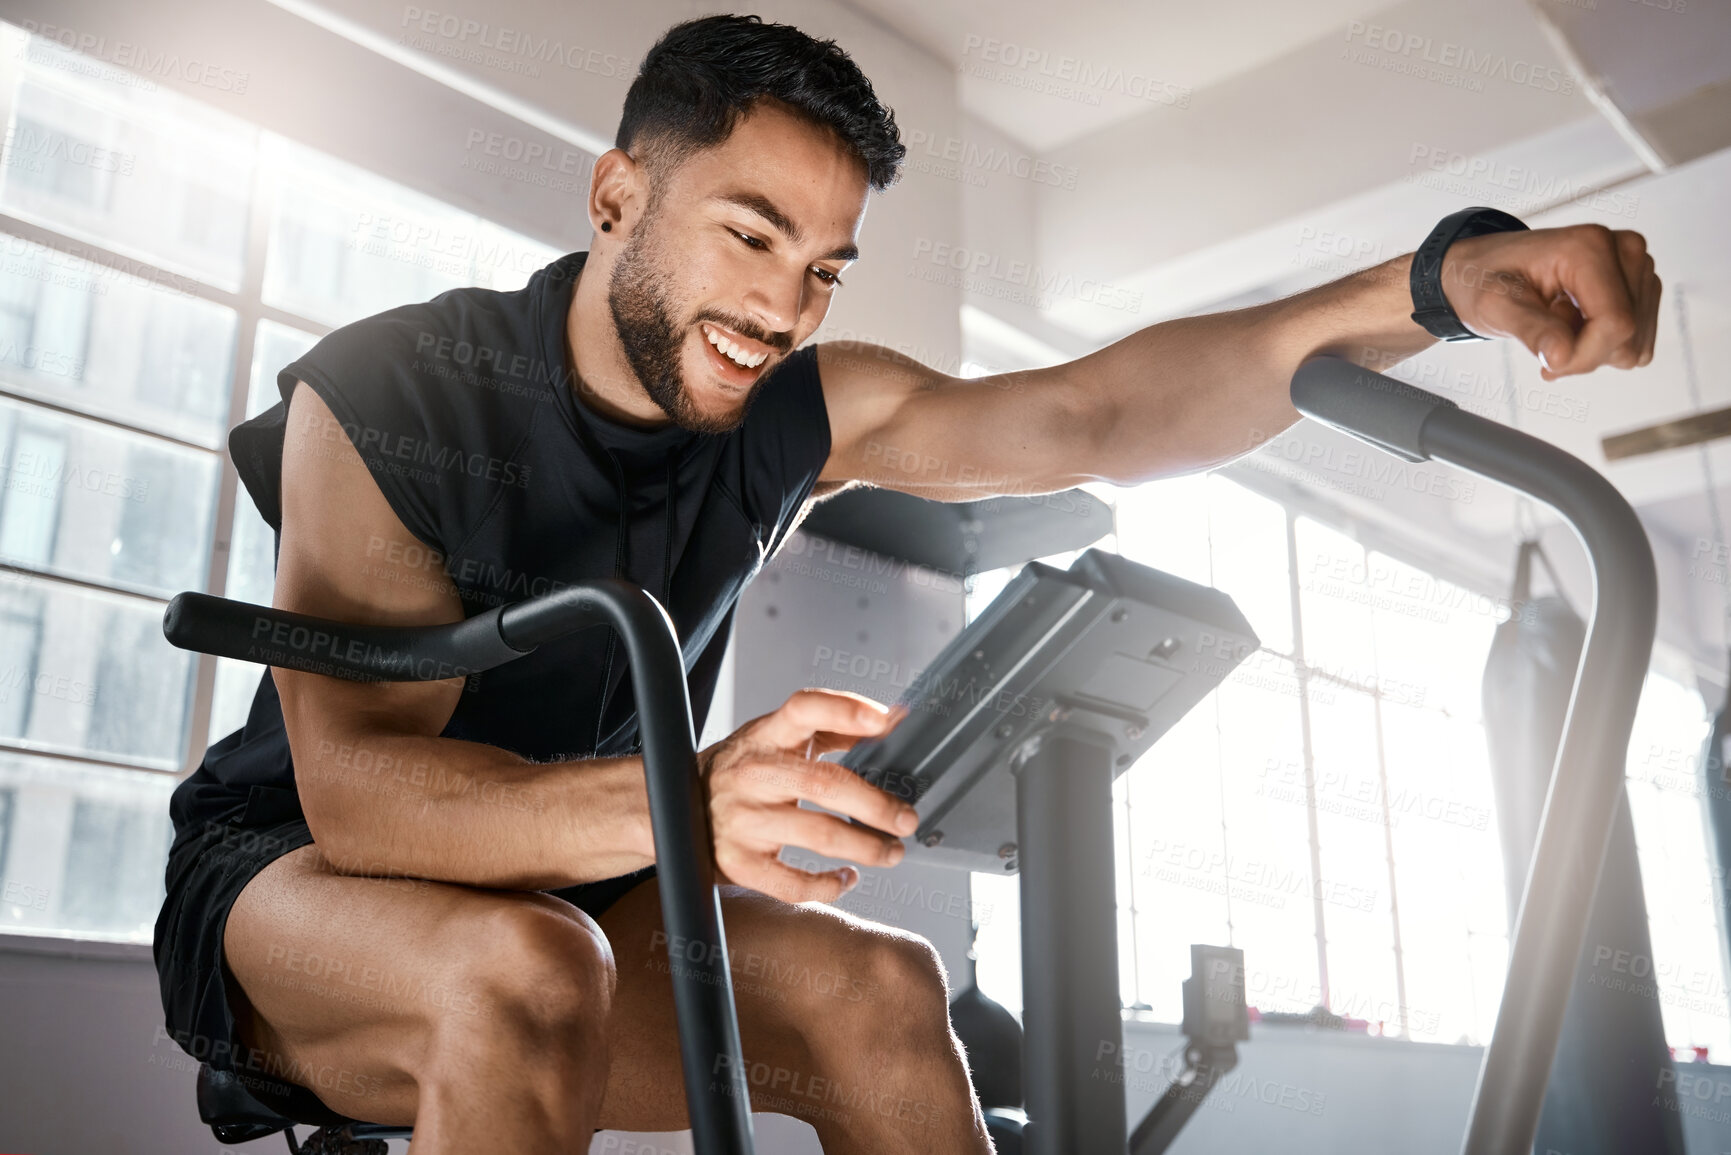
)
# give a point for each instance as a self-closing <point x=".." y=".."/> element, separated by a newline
<point x="638" y="297"/>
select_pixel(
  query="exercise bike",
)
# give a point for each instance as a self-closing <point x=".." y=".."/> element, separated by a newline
<point x="1068" y="1113"/>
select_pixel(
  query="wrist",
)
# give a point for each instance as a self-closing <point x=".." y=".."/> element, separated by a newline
<point x="639" y="829"/>
<point x="1432" y="308"/>
<point x="603" y="827"/>
<point x="1364" y="318"/>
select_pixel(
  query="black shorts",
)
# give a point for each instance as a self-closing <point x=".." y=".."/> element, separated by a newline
<point x="205" y="876"/>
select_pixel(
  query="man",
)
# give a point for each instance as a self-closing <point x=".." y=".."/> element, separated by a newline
<point x="435" y="902"/>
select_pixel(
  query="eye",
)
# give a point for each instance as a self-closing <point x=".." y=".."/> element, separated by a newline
<point x="827" y="277"/>
<point x="749" y="240"/>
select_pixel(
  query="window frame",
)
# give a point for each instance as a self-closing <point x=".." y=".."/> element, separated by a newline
<point x="267" y="190"/>
<point x="248" y="305"/>
<point x="1305" y="674"/>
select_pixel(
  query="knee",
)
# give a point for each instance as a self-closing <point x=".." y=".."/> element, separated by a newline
<point x="897" y="1000"/>
<point x="909" y="976"/>
<point x="540" y="977"/>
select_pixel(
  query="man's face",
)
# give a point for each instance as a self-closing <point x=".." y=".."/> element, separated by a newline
<point x="741" y="246"/>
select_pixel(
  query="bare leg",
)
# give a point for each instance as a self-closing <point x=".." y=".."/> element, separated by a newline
<point x="477" y="1015"/>
<point x="844" y="1023"/>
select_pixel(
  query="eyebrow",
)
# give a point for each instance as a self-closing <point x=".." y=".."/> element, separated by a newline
<point x="766" y="208"/>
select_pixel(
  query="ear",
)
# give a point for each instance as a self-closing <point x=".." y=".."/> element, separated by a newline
<point x="618" y="189"/>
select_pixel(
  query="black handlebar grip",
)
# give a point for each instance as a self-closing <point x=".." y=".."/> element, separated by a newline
<point x="358" y="653"/>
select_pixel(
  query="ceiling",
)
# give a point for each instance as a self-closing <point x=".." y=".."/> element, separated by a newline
<point x="1293" y="159"/>
<point x="1118" y="60"/>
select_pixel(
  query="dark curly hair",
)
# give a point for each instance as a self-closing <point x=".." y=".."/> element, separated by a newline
<point x="702" y="75"/>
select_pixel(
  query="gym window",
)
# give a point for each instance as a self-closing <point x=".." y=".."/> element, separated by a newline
<point x="1371" y="885"/>
<point x="159" y="262"/>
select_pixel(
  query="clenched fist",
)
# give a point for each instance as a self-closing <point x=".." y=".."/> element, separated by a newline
<point x="1577" y="297"/>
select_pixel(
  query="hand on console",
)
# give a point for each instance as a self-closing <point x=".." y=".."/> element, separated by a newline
<point x="756" y="777"/>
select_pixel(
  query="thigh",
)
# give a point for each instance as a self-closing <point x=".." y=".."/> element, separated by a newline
<point x="340" y="982"/>
<point x="796" y="968"/>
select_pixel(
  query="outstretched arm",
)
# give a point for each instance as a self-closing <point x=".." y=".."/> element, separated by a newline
<point x="1194" y="393"/>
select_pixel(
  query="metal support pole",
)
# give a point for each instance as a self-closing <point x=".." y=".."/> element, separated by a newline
<point x="1587" y="780"/>
<point x="1071" y="1017"/>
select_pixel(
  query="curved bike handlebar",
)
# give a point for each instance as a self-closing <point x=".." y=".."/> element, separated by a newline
<point x="716" y="1092"/>
<point x="1587" y="778"/>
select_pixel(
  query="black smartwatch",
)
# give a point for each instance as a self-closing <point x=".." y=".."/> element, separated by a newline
<point x="1431" y="307"/>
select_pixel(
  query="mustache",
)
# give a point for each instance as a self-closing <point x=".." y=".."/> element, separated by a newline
<point x="780" y="342"/>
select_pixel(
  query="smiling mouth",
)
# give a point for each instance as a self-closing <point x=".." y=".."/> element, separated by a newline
<point x="734" y="351"/>
<point x="722" y="351"/>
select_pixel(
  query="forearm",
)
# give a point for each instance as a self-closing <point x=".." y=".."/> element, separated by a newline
<point x="399" y="805"/>
<point x="1194" y="393"/>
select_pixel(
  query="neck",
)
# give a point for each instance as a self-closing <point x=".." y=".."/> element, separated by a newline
<point x="603" y="378"/>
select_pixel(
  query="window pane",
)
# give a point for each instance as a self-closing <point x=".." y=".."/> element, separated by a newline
<point x="85" y="500"/>
<point x="1449" y="869"/>
<point x="90" y="673"/>
<point x="1177" y="852"/>
<point x="163" y="360"/>
<point x="1335" y="591"/>
<point x="1248" y="539"/>
<point x="346" y="244"/>
<point x="1164" y="524"/>
<point x="137" y="169"/>
<point x="1353" y="886"/>
<point x="1677" y="876"/>
<point x="252" y="546"/>
<point x="997" y="907"/>
<point x="274" y="347"/>
<point x="1268" y="837"/>
<point x="251" y="578"/>
<point x="85" y="850"/>
<point x="1432" y="642"/>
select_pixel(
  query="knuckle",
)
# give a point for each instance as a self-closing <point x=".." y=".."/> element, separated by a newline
<point x="832" y="842"/>
<point x="728" y="814"/>
<point x="827" y="777"/>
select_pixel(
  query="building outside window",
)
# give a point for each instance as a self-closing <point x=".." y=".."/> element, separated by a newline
<point x="159" y="263"/>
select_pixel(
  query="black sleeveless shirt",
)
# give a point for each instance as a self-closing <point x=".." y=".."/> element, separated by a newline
<point x="468" y="414"/>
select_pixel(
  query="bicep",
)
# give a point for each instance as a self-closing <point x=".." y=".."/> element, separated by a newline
<point x="345" y="555"/>
<point x="899" y="424"/>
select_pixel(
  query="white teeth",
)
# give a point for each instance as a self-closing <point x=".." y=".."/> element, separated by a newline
<point x="733" y="351"/>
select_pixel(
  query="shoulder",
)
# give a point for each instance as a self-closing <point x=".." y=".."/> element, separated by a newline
<point x="465" y="355"/>
<point x="855" y="369"/>
<point x="451" y="329"/>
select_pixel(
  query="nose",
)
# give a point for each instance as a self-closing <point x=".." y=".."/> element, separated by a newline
<point x="774" y="302"/>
